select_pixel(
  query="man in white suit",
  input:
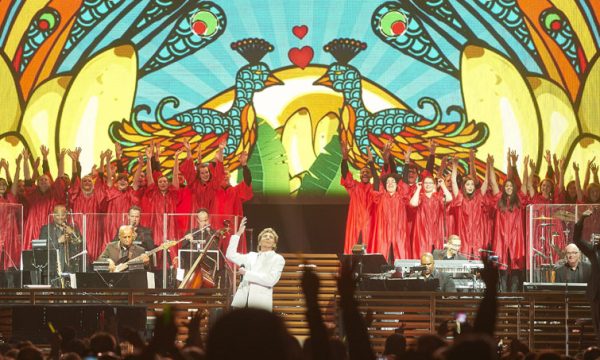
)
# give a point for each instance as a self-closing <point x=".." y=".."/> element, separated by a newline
<point x="260" y="270"/>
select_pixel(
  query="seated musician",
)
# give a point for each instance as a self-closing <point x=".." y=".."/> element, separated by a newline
<point x="124" y="250"/>
<point x="64" y="237"/>
<point x="446" y="283"/>
<point x="573" y="270"/>
<point x="143" y="235"/>
<point x="451" y="250"/>
<point x="196" y="238"/>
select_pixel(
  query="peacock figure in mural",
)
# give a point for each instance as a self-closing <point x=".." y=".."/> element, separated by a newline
<point x="203" y="126"/>
<point x="362" y="129"/>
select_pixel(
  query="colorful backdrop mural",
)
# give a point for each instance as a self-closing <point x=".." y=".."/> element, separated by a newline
<point x="286" y="80"/>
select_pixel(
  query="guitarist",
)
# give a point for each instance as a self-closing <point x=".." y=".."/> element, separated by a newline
<point x="123" y="250"/>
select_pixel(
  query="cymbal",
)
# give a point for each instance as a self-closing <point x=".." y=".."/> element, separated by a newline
<point x="565" y="215"/>
<point x="542" y="218"/>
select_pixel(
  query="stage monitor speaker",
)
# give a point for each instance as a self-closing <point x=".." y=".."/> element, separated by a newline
<point x="30" y="322"/>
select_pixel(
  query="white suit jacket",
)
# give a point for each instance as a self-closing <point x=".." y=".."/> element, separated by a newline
<point x="263" y="271"/>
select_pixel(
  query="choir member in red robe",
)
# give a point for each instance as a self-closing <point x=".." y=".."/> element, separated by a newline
<point x="162" y="199"/>
<point x="40" y="199"/>
<point x="573" y="193"/>
<point x="430" y="206"/>
<point x="87" y="198"/>
<point x="591" y="225"/>
<point x="509" y="232"/>
<point x="203" y="182"/>
<point x="10" y="212"/>
<point x="469" y="208"/>
<point x="120" y="196"/>
<point x="228" y="199"/>
<point x="360" y="209"/>
<point x="389" y="224"/>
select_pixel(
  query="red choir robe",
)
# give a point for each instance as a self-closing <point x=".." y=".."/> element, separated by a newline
<point x="93" y="207"/>
<point x="10" y="242"/>
<point x="470" y="221"/>
<point x="39" y="206"/>
<point x="360" y="212"/>
<point x="428" y="225"/>
<point x="158" y="206"/>
<point x="202" y="194"/>
<point x="389" y="224"/>
<point x="118" y="204"/>
<point x="509" y="234"/>
<point x="228" y="201"/>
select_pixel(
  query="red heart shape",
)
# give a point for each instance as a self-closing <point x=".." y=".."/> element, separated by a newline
<point x="301" y="57"/>
<point x="300" y="31"/>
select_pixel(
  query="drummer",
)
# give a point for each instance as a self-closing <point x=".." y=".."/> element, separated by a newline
<point x="573" y="269"/>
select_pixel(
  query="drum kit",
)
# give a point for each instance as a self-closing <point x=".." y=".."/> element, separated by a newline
<point x="549" y="251"/>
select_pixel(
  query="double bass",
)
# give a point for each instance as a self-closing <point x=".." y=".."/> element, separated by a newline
<point x="198" y="277"/>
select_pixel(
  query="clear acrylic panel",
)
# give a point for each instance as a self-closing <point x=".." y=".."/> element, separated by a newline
<point x="11" y="245"/>
<point x="549" y="231"/>
<point x="199" y="251"/>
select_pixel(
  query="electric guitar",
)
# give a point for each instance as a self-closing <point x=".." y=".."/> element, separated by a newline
<point x="123" y="266"/>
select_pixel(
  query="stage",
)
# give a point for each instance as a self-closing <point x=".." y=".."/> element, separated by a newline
<point x="540" y="319"/>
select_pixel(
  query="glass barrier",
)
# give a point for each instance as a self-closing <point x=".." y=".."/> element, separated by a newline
<point x="196" y="247"/>
<point x="549" y="231"/>
<point x="11" y="245"/>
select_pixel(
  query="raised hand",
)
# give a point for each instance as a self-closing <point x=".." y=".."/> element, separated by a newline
<point x="407" y="154"/>
<point x="575" y="166"/>
<point x="244" y="158"/>
<point x="220" y="151"/>
<point x="242" y="226"/>
<point x="108" y="155"/>
<point x="25" y="154"/>
<point x="118" y="150"/>
<point x="45" y="151"/>
<point x="3" y="164"/>
<point x="386" y="150"/>
<point x="177" y="153"/>
<point x="432" y="145"/>
<point x="369" y="154"/>
<point x="344" y="148"/>
<point x="310" y="284"/>
<point x="149" y="151"/>
<point x="548" y="158"/>
<point x="186" y="144"/>
<point x="18" y="160"/>
<point x="157" y="150"/>
<point x="62" y="153"/>
<point x="36" y="163"/>
<point x="514" y="157"/>
<point x="532" y="165"/>
<point x="490" y="160"/>
<point x="526" y="161"/>
<point x="594" y="167"/>
<point x="590" y="162"/>
<point x="490" y="274"/>
<point x="471" y="156"/>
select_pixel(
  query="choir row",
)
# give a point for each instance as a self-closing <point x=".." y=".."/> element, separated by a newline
<point x="108" y="189"/>
<point x="413" y="212"/>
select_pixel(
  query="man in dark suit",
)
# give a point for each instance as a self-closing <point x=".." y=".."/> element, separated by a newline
<point x="446" y="284"/>
<point x="573" y="270"/>
<point x="451" y="250"/>
<point x="63" y="237"/>
<point x="592" y="251"/>
<point x="124" y="250"/>
<point x="143" y="236"/>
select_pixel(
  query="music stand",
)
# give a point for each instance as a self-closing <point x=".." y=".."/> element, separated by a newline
<point x="36" y="262"/>
<point x="367" y="263"/>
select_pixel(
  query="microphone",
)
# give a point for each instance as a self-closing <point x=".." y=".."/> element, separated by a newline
<point x="546" y="224"/>
<point x="539" y="253"/>
<point x="486" y="251"/>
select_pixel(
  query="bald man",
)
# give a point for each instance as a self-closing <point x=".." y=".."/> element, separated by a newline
<point x="446" y="283"/>
<point x="573" y="270"/>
